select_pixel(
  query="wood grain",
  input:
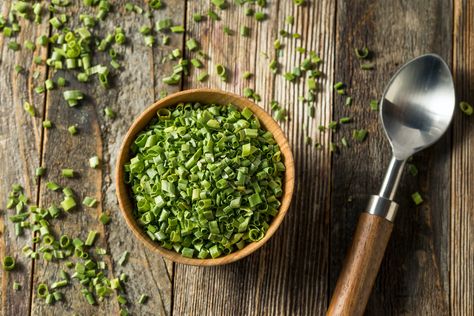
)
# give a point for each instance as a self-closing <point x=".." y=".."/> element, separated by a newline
<point x="289" y="274"/>
<point x="414" y="275"/>
<point x="361" y="266"/>
<point x="462" y="167"/>
<point x="428" y="265"/>
<point x="20" y="151"/>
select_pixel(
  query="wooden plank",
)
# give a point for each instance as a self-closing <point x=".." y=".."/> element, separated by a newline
<point x="20" y="151"/>
<point x="413" y="278"/>
<point x="133" y="90"/>
<point x="462" y="170"/>
<point x="289" y="275"/>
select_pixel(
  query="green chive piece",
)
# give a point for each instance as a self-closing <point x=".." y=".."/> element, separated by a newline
<point x="123" y="258"/>
<point x="68" y="203"/>
<point x="417" y="199"/>
<point x="466" y="108"/>
<point x="72" y="130"/>
<point x="260" y="16"/>
<point x="47" y="124"/>
<point x="197" y="17"/>
<point x="412" y="169"/>
<point x="359" y="135"/>
<point x="90" y="202"/>
<point x="68" y="173"/>
<point x="367" y="66"/>
<point x="40" y="171"/>
<point x="16" y="286"/>
<point x="8" y="263"/>
<point x="109" y="113"/>
<point x="143" y="299"/>
<point x="53" y="186"/>
<point x="90" y="238"/>
<point x="374" y="105"/>
<point x="191" y="44"/>
<point x="348" y="101"/>
<point x="244" y="31"/>
<point x="177" y="29"/>
<point x="213" y="15"/>
<point x="94" y="162"/>
<point x="362" y="53"/>
<point x="203" y="76"/>
<point x="29" y="109"/>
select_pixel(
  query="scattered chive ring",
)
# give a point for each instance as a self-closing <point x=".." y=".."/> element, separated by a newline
<point x="8" y="263"/>
<point x="466" y="108"/>
<point x="206" y="180"/>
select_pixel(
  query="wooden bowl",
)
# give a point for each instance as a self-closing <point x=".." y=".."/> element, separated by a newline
<point x="204" y="96"/>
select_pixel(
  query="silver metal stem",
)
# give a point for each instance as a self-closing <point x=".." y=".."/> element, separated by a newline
<point x="392" y="178"/>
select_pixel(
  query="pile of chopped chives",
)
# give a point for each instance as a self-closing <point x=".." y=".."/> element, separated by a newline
<point x="205" y="179"/>
<point x="83" y="262"/>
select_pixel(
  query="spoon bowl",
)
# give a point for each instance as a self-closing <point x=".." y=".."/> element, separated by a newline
<point x="418" y="117"/>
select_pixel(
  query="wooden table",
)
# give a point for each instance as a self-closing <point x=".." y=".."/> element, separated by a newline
<point x="428" y="267"/>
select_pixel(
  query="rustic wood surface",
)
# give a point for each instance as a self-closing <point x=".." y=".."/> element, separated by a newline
<point x="427" y="269"/>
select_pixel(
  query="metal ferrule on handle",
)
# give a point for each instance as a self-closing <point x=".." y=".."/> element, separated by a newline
<point x="383" y="205"/>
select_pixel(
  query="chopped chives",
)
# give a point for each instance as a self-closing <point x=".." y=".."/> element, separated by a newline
<point x="53" y="186"/>
<point x="348" y="101"/>
<point x="367" y="66"/>
<point x="213" y="15"/>
<point x="123" y="258"/>
<point x="244" y="31"/>
<point x="196" y="63"/>
<point x="260" y="16"/>
<point x="68" y="173"/>
<point x="68" y="203"/>
<point x="177" y="29"/>
<point x="30" y="45"/>
<point x="345" y="120"/>
<point x="90" y="238"/>
<point x="8" y="263"/>
<point x="412" y="169"/>
<point x="109" y="113"/>
<point x="72" y="130"/>
<point x="19" y="69"/>
<point x="40" y="171"/>
<point x="202" y="76"/>
<point x="417" y="199"/>
<point x="227" y="30"/>
<point x="94" y="162"/>
<point x="143" y="299"/>
<point x="191" y="44"/>
<point x="466" y="108"/>
<point x="197" y="17"/>
<point x="16" y="286"/>
<point x="374" y="105"/>
<point x="344" y="142"/>
<point x="13" y="46"/>
<point x="90" y="202"/>
<point x="29" y="109"/>
<point x="361" y="53"/>
<point x="359" y="135"/>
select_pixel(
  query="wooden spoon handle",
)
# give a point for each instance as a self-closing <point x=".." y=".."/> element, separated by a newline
<point x="361" y="266"/>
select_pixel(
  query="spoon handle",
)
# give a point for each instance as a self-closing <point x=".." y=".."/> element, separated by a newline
<point x="361" y="266"/>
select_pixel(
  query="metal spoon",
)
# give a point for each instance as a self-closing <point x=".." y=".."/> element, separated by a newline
<point x="416" y="110"/>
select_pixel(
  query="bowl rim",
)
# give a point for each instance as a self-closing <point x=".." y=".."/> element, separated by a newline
<point x="141" y="121"/>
